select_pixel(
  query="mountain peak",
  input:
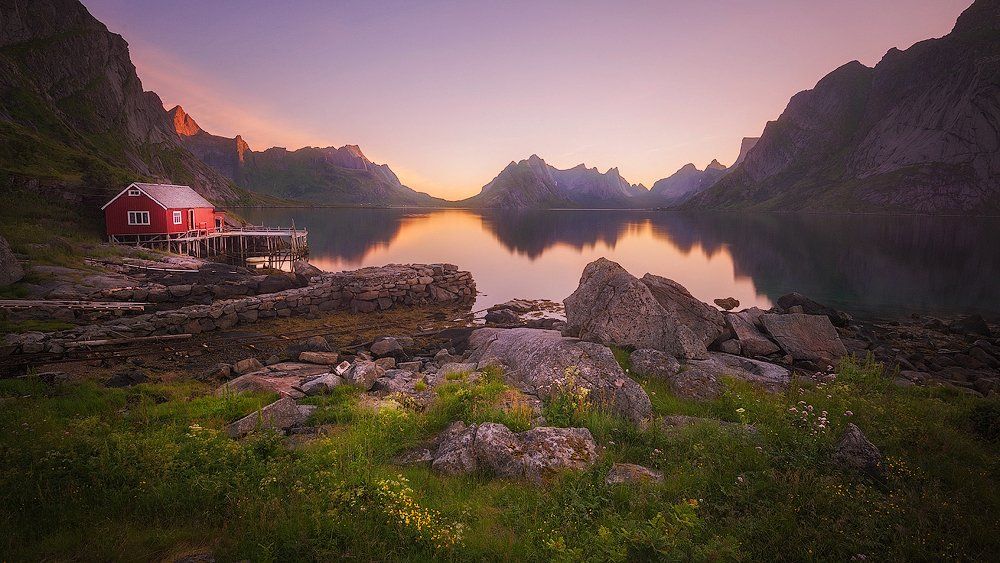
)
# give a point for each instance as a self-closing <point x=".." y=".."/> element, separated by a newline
<point x="981" y="16"/>
<point x="184" y="124"/>
<point x="715" y="165"/>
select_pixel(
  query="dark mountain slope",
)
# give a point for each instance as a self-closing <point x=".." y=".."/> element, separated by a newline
<point x="919" y="132"/>
<point x="73" y="113"/>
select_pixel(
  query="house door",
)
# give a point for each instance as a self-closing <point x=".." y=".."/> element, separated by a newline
<point x="191" y="225"/>
<point x="218" y="225"/>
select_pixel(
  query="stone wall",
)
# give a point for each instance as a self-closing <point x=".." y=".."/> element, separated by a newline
<point x="362" y="291"/>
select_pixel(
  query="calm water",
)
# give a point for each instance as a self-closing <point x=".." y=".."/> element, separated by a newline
<point x="865" y="264"/>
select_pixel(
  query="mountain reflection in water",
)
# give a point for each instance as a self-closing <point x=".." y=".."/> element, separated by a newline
<point x="885" y="265"/>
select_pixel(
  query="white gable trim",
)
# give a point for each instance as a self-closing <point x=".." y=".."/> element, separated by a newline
<point x="133" y="186"/>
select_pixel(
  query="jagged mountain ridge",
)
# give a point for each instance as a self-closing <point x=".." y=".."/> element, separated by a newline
<point x="328" y="175"/>
<point x="686" y="182"/>
<point x="533" y="183"/>
<point x="73" y="113"/>
<point x="919" y="132"/>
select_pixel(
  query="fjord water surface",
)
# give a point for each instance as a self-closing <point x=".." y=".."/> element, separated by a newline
<point x="871" y="265"/>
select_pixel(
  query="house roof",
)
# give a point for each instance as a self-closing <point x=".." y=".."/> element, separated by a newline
<point x="169" y="196"/>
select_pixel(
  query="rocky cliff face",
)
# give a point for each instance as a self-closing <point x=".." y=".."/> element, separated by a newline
<point x="745" y="146"/>
<point x="685" y="183"/>
<point x="919" y="132"/>
<point x="327" y="175"/>
<point x="225" y="155"/>
<point x="73" y="111"/>
<point x="532" y="183"/>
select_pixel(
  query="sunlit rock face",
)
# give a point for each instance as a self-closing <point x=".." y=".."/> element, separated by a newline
<point x="918" y="132"/>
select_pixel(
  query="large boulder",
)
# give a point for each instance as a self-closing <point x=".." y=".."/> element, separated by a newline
<point x="10" y="268"/>
<point x="535" y="362"/>
<point x="279" y="415"/>
<point x="654" y="363"/>
<point x="702" y="378"/>
<point x="752" y="341"/>
<point x="532" y="455"/>
<point x="805" y="337"/>
<point x="611" y="306"/>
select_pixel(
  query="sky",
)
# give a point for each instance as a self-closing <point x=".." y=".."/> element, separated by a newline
<point x="448" y="92"/>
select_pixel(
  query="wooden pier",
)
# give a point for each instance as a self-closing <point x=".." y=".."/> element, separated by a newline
<point x="256" y="246"/>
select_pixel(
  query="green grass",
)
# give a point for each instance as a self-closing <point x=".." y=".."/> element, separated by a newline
<point x="146" y="473"/>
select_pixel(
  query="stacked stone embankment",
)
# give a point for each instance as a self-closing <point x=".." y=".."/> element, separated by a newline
<point x="362" y="291"/>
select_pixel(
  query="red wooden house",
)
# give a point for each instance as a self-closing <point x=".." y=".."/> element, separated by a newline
<point x="151" y="212"/>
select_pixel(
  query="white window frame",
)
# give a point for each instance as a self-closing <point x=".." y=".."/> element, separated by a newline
<point x="138" y="217"/>
<point x="134" y="193"/>
<point x="178" y="217"/>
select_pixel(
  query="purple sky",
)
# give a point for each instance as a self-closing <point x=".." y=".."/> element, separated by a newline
<point x="447" y="93"/>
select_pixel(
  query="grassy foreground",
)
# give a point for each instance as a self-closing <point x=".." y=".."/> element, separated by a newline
<point x="145" y="473"/>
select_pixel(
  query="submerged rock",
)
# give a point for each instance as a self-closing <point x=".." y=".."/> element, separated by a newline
<point x="536" y="361"/>
<point x="611" y="306"/>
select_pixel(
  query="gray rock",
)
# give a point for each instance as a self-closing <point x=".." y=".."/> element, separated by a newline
<point x="548" y="450"/>
<point x="501" y="317"/>
<point x="444" y="357"/>
<point x="387" y="362"/>
<point x="752" y="341"/>
<point x="321" y="385"/>
<point x="630" y="473"/>
<point x="729" y="303"/>
<point x="533" y="455"/>
<point x="305" y="269"/>
<point x="803" y="304"/>
<point x="414" y="366"/>
<point x="279" y="415"/>
<point x="363" y="374"/>
<point x="454" y="455"/>
<point x="10" y="269"/>
<point x="321" y="358"/>
<point x="703" y="378"/>
<point x="805" y="337"/>
<point x="611" y="306"/>
<point x="731" y="346"/>
<point x="855" y="453"/>
<point x="247" y="365"/>
<point x="387" y="346"/>
<point x="654" y="363"/>
<point x="535" y="361"/>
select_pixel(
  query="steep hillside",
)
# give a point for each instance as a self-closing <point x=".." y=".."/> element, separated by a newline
<point x="73" y="113"/>
<point x="532" y="183"/>
<point x="330" y="175"/>
<point x="919" y="132"/>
